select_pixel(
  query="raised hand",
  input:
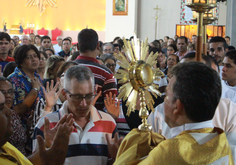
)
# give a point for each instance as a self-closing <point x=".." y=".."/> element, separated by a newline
<point x="49" y="134"/>
<point x="113" y="144"/>
<point x="51" y="96"/>
<point x="97" y="95"/>
<point x="66" y="57"/>
<point x="112" y="108"/>
<point x="57" y="153"/>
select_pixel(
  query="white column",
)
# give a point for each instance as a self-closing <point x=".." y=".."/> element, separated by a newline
<point x="231" y="21"/>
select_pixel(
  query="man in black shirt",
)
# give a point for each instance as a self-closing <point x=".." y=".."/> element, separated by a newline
<point x="66" y="45"/>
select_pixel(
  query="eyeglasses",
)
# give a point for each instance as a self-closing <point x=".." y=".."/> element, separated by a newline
<point x="43" y="59"/>
<point x="219" y="49"/>
<point x="79" y="98"/>
<point x="108" y="50"/>
<point x="10" y="92"/>
<point x="32" y="57"/>
<point x="110" y="65"/>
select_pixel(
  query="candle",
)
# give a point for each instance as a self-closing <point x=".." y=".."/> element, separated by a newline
<point x="203" y="1"/>
<point x="194" y="14"/>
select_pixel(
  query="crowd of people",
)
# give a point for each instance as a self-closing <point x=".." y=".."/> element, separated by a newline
<point x="64" y="97"/>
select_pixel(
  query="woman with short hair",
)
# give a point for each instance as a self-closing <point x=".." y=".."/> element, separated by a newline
<point x="27" y="83"/>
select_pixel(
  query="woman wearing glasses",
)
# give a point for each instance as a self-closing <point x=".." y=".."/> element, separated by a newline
<point x="27" y="83"/>
<point x="19" y="137"/>
<point x="110" y="62"/>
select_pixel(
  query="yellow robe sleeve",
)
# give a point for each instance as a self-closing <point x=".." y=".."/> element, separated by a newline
<point x="137" y="145"/>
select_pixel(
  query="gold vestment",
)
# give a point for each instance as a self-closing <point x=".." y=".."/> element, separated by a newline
<point x="183" y="149"/>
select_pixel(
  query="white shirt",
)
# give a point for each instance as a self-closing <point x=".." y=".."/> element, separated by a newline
<point x="228" y="91"/>
<point x="57" y="48"/>
<point x="190" y="126"/>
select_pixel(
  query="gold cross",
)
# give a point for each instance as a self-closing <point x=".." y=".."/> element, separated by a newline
<point x="157" y="8"/>
<point x="157" y="11"/>
<point x="156" y="17"/>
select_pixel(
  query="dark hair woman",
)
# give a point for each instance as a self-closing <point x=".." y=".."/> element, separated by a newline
<point x="27" y="83"/>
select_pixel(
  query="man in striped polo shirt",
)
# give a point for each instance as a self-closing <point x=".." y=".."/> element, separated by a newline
<point x="88" y="46"/>
<point x="88" y="143"/>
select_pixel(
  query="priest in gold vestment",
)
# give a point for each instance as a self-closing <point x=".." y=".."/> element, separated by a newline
<point x="192" y="96"/>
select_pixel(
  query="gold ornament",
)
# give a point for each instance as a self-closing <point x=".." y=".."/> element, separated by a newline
<point x="41" y="4"/>
<point x="137" y="77"/>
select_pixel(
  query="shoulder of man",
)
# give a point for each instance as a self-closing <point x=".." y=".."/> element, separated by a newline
<point x="106" y="116"/>
<point x="53" y="119"/>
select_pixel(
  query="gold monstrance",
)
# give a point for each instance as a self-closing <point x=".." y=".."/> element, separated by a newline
<point x="137" y="76"/>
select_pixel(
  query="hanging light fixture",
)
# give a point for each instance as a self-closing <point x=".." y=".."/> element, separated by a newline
<point x="200" y="6"/>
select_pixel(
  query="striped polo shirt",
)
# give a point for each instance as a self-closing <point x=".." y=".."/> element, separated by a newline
<point x="103" y="78"/>
<point x="88" y="146"/>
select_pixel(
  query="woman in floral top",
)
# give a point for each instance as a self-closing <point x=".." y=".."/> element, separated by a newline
<point x="27" y="83"/>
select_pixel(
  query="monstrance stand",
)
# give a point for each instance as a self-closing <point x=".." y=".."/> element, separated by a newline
<point x="200" y="6"/>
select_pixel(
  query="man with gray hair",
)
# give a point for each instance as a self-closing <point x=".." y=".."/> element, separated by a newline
<point x="57" y="47"/>
<point x="93" y="128"/>
<point x="107" y="48"/>
<point x="25" y="40"/>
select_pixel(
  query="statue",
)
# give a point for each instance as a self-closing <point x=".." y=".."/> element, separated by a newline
<point x="5" y="27"/>
<point x="21" y="29"/>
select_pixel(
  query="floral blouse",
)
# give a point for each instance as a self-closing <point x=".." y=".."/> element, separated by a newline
<point x="22" y="86"/>
<point x="19" y="138"/>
